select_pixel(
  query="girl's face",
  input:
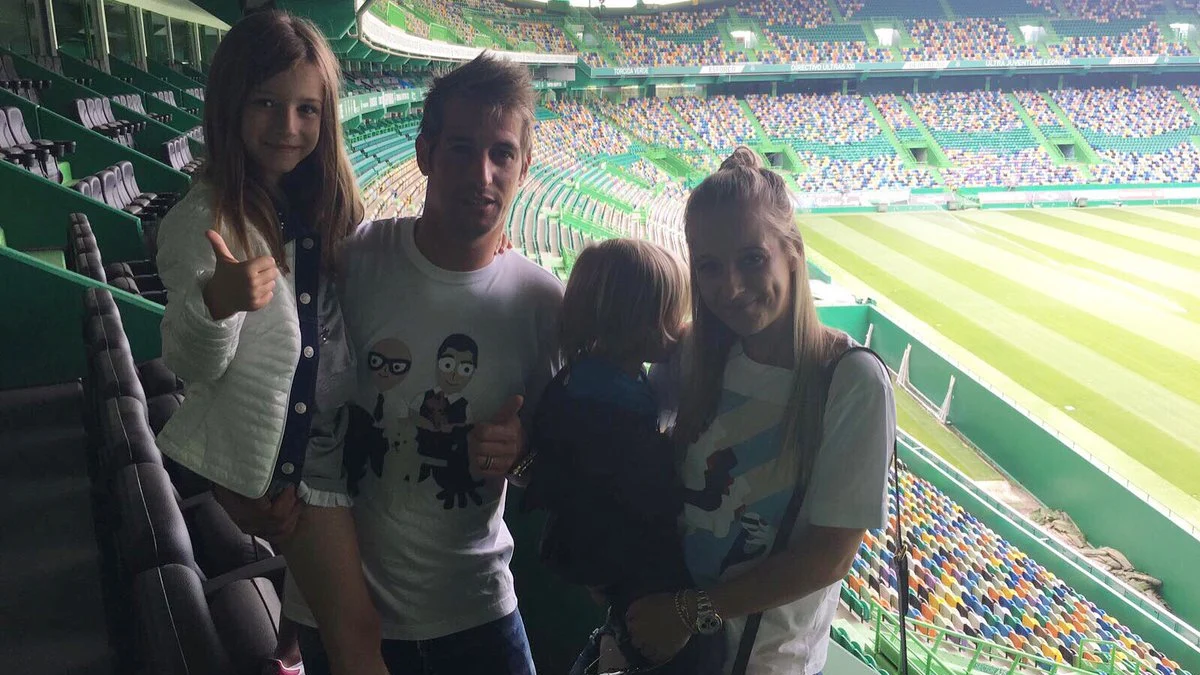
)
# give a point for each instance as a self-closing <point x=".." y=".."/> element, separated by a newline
<point x="743" y="272"/>
<point x="281" y="121"/>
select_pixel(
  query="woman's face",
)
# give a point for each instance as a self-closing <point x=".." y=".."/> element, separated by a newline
<point x="743" y="271"/>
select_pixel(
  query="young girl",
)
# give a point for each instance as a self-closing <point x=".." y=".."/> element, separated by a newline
<point x="253" y="325"/>
<point x="603" y="470"/>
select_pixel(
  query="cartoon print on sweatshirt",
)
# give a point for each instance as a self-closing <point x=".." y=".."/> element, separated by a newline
<point x="734" y="497"/>
<point x="386" y="426"/>
<point x="442" y="417"/>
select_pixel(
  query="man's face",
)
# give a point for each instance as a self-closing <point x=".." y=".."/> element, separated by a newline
<point x="455" y="369"/>
<point x="474" y="168"/>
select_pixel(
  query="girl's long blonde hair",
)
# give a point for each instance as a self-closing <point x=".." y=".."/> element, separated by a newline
<point x="322" y="186"/>
<point x="743" y="186"/>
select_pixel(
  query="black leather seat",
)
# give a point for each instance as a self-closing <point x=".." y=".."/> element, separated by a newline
<point x="98" y="302"/>
<point x="149" y="528"/>
<point x="187" y="627"/>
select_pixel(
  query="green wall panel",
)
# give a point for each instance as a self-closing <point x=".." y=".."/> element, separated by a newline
<point x="37" y="210"/>
<point x="148" y="83"/>
<point x="175" y="78"/>
<point x="42" y="322"/>
<point x="94" y="152"/>
<point x="63" y="92"/>
<point x="853" y="319"/>
<point x="155" y="132"/>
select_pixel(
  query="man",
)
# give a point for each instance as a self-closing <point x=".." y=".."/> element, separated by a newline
<point x="434" y="545"/>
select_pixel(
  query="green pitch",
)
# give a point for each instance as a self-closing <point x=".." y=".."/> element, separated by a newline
<point x="1091" y="316"/>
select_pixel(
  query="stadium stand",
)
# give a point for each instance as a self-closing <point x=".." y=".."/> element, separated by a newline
<point x="975" y="39"/>
<point x="650" y="120"/>
<point x="830" y="119"/>
<point x="357" y="82"/>
<point x="450" y="15"/>
<point x="970" y="581"/>
<point x="718" y="120"/>
<point x="1105" y="114"/>
<point x="1119" y="37"/>
<point x="674" y="39"/>
<point x="188" y="592"/>
<point x="986" y="142"/>
<point x="1039" y="111"/>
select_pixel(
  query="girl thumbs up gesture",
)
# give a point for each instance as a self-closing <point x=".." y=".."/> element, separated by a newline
<point x="238" y="286"/>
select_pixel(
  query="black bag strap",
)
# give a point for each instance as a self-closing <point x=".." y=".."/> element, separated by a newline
<point x="750" y="633"/>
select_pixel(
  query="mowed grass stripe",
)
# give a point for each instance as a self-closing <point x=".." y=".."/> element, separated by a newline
<point x="1129" y="243"/>
<point x="1150" y="400"/>
<point x="1146" y="316"/>
<point x="1143" y="267"/>
<point x="1173" y="370"/>
<point x="1165" y="240"/>
<point x="1188" y="220"/>
<point x="1156" y="449"/>
<point x="1142" y="219"/>
<point x="1015" y="242"/>
<point x="1186" y="210"/>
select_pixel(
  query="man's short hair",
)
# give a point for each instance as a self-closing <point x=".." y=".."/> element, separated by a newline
<point x="488" y="82"/>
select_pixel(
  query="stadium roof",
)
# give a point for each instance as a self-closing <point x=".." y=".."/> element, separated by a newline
<point x="617" y="4"/>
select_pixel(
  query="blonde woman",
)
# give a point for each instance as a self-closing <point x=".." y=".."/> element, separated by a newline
<point x="784" y="443"/>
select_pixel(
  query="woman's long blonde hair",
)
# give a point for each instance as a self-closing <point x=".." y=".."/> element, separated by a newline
<point x="322" y="187"/>
<point x="743" y="186"/>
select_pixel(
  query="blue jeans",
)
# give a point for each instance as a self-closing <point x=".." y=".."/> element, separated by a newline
<point x="496" y="648"/>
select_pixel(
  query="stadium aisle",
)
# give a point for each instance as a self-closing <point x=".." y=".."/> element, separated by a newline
<point x="51" y="608"/>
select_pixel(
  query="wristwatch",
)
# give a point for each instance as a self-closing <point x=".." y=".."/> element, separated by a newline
<point x="708" y="622"/>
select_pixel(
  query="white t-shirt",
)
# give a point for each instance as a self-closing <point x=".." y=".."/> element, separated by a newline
<point x="439" y="351"/>
<point x="735" y="501"/>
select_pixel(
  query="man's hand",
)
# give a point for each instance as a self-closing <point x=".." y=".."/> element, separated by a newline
<point x="238" y="286"/>
<point x="493" y="447"/>
<point x="273" y="520"/>
<point x="505" y="244"/>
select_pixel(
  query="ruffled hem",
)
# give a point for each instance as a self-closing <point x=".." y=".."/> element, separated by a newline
<point x="323" y="498"/>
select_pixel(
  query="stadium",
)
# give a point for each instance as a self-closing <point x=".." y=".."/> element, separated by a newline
<point x="1000" y="198"/>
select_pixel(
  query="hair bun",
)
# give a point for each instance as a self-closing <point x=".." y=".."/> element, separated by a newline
<point x="742" y="157"/>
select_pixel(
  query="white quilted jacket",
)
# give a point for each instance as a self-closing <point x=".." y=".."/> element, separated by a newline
<point x="238" y="371"/>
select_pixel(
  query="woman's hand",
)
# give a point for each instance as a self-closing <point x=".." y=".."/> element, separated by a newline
<point x="655" y="628"/>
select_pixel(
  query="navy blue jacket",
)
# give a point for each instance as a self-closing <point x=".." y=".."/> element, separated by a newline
<point x="607" y="477"/>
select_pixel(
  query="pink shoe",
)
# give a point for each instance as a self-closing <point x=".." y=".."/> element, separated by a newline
<point x="276" y="667"/>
